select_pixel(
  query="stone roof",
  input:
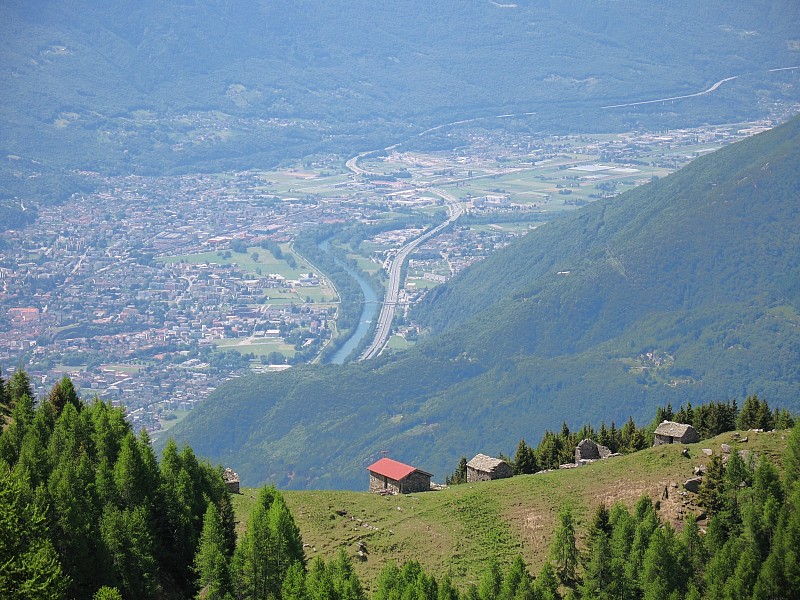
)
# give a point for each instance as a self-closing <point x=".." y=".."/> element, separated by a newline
<point x="672" y="429"/>
<point x="481" y="462"/>
<point x="229" y="475"/>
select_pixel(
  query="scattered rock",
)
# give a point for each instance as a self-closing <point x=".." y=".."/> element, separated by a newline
<point x="341" y="513"/>
<point x="685" y="452"/>
<point x="708" y="451"/>
<point x="700" y="470"/>
<point x="725" y="448"/>
<point x="693" y="484"/>
<point x="673" y="484"/>
<point x="735" y="435"/>
<point x="701" y="516"/>
<point x="744" y="439"/>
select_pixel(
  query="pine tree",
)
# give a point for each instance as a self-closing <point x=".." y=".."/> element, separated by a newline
<point x="712" y="488"/>
<point x="446" y="590"/>
<point x="128" y="537"/>
<point x="346" y="584"/>
<point x="30" y="567"/>
<point x="294" y="584"/>
<point x="791" y="458"/>
<point x="63" y="393"/>
<point x="663" y="571"/>
<point x="107" y="593"/>
<point x="388" y="586"/>
<point x="563" y="551"/>
<point x="515" y="579"/>
<point x="19" y="385"/>
<point x="491" y="582"/>
<point x="268" y="548"/>
<point x="525" y="459"/>
<point x="600" y="581"/>
<point x="211" y="561"/>
<point x="545" y="587"/>
<point x="5" y="404"/>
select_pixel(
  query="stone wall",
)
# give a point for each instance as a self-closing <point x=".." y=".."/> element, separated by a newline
<point x="502" y="471"/>
<point x="416" y="482"/>
<point x="379" y="483"/>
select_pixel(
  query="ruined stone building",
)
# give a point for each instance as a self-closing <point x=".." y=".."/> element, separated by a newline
<point x="669" y="432"/>
<point x="486" y="468"/>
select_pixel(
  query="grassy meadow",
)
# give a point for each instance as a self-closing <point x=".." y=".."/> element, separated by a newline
<point x="460" y="528"/>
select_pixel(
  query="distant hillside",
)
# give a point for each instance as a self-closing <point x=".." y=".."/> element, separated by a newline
<point x="154" y="86"/>
<point x="687" y="289"/>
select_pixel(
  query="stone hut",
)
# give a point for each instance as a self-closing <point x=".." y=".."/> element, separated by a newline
<point x="389" y="476"/>
<point x="669" y="432"/>
<point x="231" y="480"/>
<point x="486" y="468"/>
<point x="589" y="450"/>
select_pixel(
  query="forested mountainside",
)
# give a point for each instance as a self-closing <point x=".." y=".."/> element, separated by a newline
<point x="682" y="290"/>
<point x="87" y="511"/>
<point x="151" y="87"/>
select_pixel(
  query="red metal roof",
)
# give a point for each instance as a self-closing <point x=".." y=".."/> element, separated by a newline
<point x="391" y="469"/>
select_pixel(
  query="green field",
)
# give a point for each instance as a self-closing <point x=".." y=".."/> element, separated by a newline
<point x="258" y="346"/>
<point x="266" y="262"/>
<point x="462" y="527"/>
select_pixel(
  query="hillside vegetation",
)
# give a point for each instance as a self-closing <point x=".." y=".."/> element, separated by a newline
<point x="683" y="290"/>
<point x="462" y="529"/>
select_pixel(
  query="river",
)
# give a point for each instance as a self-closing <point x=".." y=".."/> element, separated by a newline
<point x="368" y="310"/>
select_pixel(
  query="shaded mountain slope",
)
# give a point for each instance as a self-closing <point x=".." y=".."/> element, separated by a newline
<point x="687" y="289"/>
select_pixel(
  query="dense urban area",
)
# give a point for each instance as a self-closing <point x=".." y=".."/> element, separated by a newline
<point x="152" y="291"/>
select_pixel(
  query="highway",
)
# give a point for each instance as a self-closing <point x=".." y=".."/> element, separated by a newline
<point x="384" y="327"/>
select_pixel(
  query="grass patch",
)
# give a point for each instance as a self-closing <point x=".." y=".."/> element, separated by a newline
<point x="460" y="528"/>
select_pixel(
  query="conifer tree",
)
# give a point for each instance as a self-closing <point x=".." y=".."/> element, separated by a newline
<point x="524" y="459"/>
<point x="346" y="584"/>
<point x="388" y="586"/>
<point x="515" y="579"/>
<point x="663" y="570"/>
<point x="63" y="393"/>
<point x="563" y="551"/>
<point x="211" y="561"/>
<point x="600" y="581"/>
<point x="545" y="587"/>
<point x="5" y="405"/>
<point x="491" y="582"/>
<point x="294" y="584"/>
<point x="791" y="458"/>
<point x="712" y="488"/>
<point x="19" y="385"/>
<point x="319" y="585"/>
<point x="446" y="590"/>
<point x="29" y="565"/>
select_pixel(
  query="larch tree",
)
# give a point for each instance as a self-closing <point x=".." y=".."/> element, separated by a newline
<point x="563" y="550"/>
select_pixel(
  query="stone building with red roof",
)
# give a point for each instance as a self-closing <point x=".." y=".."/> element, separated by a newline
<point x="388" y="476"/>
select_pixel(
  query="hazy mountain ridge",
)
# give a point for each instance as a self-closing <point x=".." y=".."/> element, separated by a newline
<point x="355" y="74"/>
<point x="644" y="317"/>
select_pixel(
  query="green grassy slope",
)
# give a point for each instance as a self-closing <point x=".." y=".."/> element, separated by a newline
<point x="684" y="290"/>
<point x="462" y="527"/>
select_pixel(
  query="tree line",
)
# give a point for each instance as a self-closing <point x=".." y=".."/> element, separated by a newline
<point x="711" y="419"/>
<point x="87" y="509"/>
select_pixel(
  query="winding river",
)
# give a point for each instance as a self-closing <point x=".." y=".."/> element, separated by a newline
<point x="368" y="310"/>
